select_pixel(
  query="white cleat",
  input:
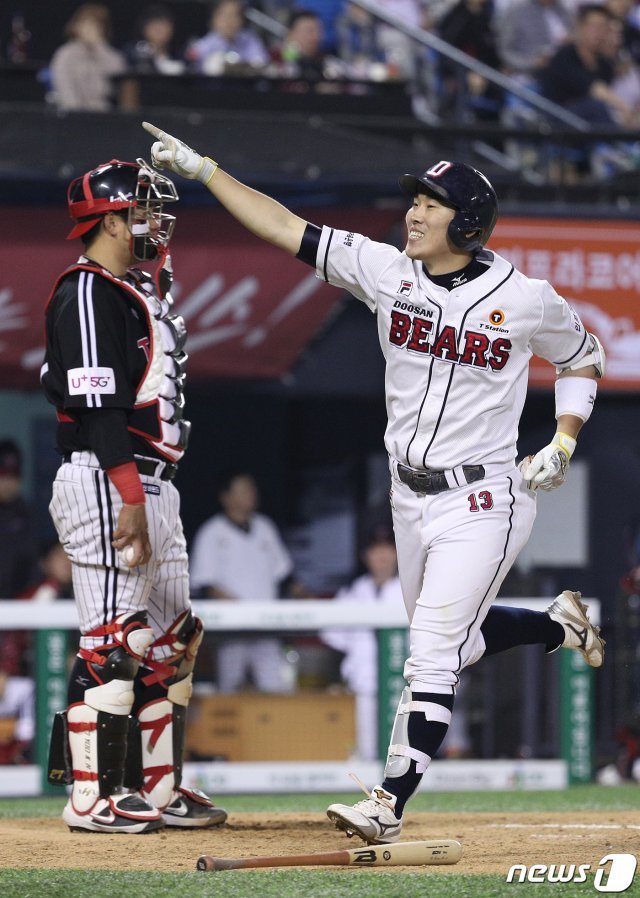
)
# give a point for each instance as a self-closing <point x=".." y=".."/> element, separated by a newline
<point x="579" y="632"/>
<point x="373" y="819"/>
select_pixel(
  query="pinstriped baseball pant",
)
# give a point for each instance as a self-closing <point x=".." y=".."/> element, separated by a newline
<point x="85" y="508"/>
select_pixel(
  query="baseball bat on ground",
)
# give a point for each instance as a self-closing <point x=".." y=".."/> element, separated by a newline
<point x="440" y="851"/>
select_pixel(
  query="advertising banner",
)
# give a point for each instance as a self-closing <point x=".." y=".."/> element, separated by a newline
<point x="251" y="309"/>
<point x="595" y="265"/>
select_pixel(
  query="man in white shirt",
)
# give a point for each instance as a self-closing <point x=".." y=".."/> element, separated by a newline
<point x="239" y="556"/>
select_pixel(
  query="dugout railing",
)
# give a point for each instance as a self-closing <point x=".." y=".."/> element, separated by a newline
<point x="573" y="695"/>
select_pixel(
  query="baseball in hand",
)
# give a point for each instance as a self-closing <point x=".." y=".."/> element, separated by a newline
<point x="128" y="556"/>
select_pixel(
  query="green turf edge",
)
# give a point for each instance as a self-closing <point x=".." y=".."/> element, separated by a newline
<point x="346" y="883"/>
<point x="576" y="798"/>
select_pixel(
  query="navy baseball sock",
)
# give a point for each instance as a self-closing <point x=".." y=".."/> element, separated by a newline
<point x="505" y="628"/>
<point x="424" y="735"/>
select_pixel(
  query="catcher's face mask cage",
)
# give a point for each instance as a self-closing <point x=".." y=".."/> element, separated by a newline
<point x="464" y="189"/>
<point x="133" y="187"/>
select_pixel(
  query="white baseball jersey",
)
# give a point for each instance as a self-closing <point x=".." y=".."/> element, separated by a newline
<point x="457" y="361"/>
<point x="248" y="564"/>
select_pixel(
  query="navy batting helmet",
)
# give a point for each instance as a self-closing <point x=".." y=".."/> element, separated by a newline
<point x="466" y="190"/>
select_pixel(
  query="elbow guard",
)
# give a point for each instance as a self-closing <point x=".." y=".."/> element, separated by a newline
<point x="595" y="356"/>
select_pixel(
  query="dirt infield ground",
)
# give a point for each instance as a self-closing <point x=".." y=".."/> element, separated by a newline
<point x="492" y="842"/>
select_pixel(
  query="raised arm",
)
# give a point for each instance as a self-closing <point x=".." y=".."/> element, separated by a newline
<point x="260" y="214"/>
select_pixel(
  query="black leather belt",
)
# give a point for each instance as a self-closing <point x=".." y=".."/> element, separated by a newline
<point x="147" y="466"/>
<point x="432" y="481"/>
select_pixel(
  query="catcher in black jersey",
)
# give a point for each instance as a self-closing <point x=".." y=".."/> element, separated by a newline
<point x="114" y="369"/>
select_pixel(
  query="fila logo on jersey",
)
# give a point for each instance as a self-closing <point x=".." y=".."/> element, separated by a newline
<point x="82" y="381"/>
<point x="478" y="351"/>
<point x="405" y="288"/>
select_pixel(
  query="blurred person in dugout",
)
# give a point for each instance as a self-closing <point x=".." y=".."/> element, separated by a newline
<point x="228" y="43"/>
<point x="82" y="68"/>
<point x="17" y="688"/>
<point x="16" y="646"/>
<point x="379" y="584"/>
<point x="17" y="717"/>
<point x="238" y="556"/>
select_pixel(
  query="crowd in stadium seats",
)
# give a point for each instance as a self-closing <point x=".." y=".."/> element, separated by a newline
<point x="582" y="56"/>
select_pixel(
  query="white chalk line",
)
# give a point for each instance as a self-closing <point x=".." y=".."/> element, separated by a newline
<point x="563" y="825"/>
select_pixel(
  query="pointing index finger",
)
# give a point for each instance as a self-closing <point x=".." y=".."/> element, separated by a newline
<point x="155" y="132"/>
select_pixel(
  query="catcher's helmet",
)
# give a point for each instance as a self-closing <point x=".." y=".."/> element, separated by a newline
<point x="116" y="186"/>
<point x="466" y="190"/>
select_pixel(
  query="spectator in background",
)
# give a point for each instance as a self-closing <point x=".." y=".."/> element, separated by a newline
<point x="468" y="26"/>
<point x="622" y="10"/>
<point x="625" y="84"/>
<point x="528" y="33"/>
<point x="302" y="54"/>
<point x="82" y="68"/>
<point x="228" y="42"/>
<point x="327" y="12"/>
<point x="365" y="41"/>
<point x="359" y="666"/>
<point x="153" y="51"/>
<point x="239" y="556"/>
<point x="579" y="74"/>
<point x="401" y="54"/>
<point x="18" y="552"/>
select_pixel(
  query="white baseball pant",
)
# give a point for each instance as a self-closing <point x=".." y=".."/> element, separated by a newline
<point x="454" y="550"/>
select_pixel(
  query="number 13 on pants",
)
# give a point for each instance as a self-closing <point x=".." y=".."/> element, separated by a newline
<point x="454" y="551"/>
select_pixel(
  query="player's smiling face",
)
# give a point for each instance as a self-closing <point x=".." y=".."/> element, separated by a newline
<point x="427" y="223"/>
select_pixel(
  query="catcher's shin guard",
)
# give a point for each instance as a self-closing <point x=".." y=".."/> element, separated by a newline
<point x="156" y="744"/>
<point x="100" y="700"/>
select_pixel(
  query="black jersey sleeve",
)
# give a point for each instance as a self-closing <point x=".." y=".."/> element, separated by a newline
<point x="90" y="327"/>
<point x="105" y="432"/>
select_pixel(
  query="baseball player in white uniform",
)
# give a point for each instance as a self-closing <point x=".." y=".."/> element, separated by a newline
<point x="457" y="324"/>
<point x="114" y="370"/>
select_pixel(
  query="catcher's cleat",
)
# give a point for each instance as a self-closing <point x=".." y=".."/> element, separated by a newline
<point x="373" y="819"/>
<point x="580" y="633"/>
<point x="127" y="813"/>
<point x="190" y="808"/>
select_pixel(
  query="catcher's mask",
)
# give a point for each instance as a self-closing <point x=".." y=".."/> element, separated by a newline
<point x="464" y="189"/>
<point x="116" y="186"/>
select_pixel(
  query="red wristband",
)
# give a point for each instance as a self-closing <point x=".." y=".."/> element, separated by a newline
<point x="127" y="481"/>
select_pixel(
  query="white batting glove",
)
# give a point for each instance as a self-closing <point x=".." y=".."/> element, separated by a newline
<point x="546" y="469"/>
<point x="169" y="152"/>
